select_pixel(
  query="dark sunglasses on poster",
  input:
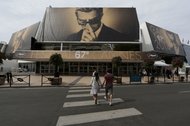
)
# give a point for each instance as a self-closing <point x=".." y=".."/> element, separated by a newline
<point x="89" y="21"/>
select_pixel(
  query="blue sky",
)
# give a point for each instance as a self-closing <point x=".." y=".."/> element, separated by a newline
<point x="173" y="15"/>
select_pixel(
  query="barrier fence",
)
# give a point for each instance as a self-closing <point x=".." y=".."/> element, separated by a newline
<point x="27" y="80"/>
<point x="46" y="79"/>
<point x="20" y="80"/>
<point x="15" y="80"/>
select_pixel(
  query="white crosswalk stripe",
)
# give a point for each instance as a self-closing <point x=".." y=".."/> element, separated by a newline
<point x="81" y="92"/>
<point x="90" y="102"/>
<point x="82" y="95"/>
<point x="89" y="117"/>
<point x="80" y="87"/>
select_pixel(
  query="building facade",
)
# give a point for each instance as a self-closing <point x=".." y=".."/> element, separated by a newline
<point x="60" y="30"/>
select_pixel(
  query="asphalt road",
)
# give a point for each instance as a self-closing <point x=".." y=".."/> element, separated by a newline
<point x="159" y="105"/>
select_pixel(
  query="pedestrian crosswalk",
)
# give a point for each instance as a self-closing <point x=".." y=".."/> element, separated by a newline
<point x="84" y="92"/>
<point x="90" y="102"/>
<point x="81" y="90"/>
<point x="82" y="95"/>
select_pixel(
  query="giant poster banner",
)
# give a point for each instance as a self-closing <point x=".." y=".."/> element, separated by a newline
<point x="91" y="28"/>
<point x="165" y="41"/>
<point x="90" y="24"/>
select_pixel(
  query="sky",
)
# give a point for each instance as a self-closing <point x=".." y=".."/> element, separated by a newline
<point x="172" y="15"/>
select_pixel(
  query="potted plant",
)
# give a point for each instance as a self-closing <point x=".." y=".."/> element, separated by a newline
<point x="57" y="61"/>
<point x="116" y="62"/>
<point x="149" y="66"/>
<point x="176" y="63"/>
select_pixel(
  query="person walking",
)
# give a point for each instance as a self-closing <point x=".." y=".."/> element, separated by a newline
<point x="94" y="71"/>
<point x="108" y="84"/>
<point x="9" y="77"/>
<point x="95" y="86"/>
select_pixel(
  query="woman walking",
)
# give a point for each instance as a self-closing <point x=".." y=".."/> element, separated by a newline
<point x="95" y="83"/>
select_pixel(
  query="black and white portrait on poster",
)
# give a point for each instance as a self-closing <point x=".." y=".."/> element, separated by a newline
<point x="90" y="24"/>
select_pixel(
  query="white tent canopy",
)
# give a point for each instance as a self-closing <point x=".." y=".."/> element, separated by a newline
<point x="160" y="63"/>
<point x="187" y="66"/>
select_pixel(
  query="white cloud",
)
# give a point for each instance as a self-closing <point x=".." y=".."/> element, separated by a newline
<point x="172" y="15"/>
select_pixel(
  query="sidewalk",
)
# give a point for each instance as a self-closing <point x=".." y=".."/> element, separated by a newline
<point x="36" y="80"/>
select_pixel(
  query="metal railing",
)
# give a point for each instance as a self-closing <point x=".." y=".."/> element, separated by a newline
<point x="23" y="80"/>
<point x="20" y="80"/>
<point x="46" y="79"/>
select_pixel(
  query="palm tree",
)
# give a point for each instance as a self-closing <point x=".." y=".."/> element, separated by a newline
<point x="149" y="66"/>
<point x="57" y="61"/>
<point x="116" y="62"/>
<point x="177" y="62"/>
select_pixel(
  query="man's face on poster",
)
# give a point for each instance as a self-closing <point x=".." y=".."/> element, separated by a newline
<point x="91" y="19"/>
